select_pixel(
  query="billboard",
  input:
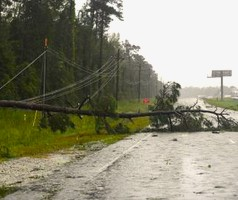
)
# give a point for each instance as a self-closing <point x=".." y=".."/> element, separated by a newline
<point x="220" y="73"/>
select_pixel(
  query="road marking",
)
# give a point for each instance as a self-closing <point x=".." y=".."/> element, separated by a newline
<point x="231" y="141"/>
<point x="123" y="154"/>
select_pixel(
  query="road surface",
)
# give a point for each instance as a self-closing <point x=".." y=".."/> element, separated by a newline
<point x="148" y="166"/>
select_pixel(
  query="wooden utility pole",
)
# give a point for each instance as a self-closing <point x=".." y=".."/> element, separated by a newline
<point x="44" y="74"/>
<point x="44" y="71"/>
<point x="139" y="84"/>
<point x="117" y="77"/>
<point x="149" y="84"/>
<point x="100" y="91"/>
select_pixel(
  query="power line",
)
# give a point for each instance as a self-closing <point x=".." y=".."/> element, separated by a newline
<point x="104" y="85"/>
<point x="105" y="73"/>
<point x="19" y="73"/>
<point x="69" y="62"/>
<point x="107" y="70"/>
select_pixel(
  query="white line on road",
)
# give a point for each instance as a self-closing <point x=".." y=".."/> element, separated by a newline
<point x="124" y="153"/>
<point x="231" y="141"/>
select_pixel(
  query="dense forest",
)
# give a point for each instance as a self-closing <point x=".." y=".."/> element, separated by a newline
<point x="46" y="47"/>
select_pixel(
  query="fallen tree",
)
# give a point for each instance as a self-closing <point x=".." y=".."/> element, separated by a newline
<point x="68" y="110"/>
<point x="188" y="118"/>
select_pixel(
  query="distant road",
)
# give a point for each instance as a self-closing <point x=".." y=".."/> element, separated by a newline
<point x="203" y="105"/>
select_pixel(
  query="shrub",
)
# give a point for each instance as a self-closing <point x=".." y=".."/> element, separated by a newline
<point x="59" y="121"/>
<point x="4" y="152"/>
<point x="121" y="128"/>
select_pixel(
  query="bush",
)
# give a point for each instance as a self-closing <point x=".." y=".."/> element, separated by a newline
<point x="4" y="152"/>
<point x="106" y="104"/>
<point x="57" y="122"/>
<point x="60" y="122"/>
<point x="121" y="128"/>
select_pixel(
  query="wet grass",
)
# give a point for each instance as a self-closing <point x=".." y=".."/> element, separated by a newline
<point x="20" y="134"/>
<point x="227" y="103"/>
<point x="133" y="106"/>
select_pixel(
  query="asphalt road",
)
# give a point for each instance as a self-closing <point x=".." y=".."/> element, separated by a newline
<point x="148" y="166"/>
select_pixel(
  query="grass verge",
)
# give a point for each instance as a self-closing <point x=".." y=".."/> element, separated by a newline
<point x="228" y="103"/>
<point x="20" y="134"/>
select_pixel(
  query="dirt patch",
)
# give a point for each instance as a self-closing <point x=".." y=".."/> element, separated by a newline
<point x="21" y="171"/>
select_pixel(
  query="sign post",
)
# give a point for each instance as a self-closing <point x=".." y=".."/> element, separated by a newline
<point x="221" y="74"/>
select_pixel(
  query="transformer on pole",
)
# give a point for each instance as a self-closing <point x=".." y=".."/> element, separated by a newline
<point x="221" y="74"/>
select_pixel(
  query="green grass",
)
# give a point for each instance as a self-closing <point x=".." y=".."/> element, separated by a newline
<point x="20" y="134"/>
<point x="133" y="106"/>
<point x="4" y="191"/>
<point x="228" y="103"/>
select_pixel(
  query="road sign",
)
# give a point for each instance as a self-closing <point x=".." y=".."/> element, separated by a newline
<point x="220" y="73"/>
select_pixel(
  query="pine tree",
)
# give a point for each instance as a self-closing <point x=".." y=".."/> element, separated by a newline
<point x="7" y="57"/>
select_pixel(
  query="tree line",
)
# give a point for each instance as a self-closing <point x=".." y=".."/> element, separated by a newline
<point x="210" y="92"/>
<point x="81" y="57"/>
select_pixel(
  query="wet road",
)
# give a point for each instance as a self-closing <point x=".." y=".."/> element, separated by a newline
<point x="149" y="166"/>
<point x="176" y="166"/>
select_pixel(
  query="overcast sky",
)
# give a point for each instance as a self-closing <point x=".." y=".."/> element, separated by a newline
<point x="184" y="40"/>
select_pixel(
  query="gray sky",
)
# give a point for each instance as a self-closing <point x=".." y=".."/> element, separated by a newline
<point x="184" y="40"/>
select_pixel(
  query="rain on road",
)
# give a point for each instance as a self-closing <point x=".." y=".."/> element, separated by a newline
<point x="149" y="166"/>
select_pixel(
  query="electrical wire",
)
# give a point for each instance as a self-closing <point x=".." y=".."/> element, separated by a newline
<point x="69" y="62"/>
<point x="105" y="83"/>
<point x="78" y="88"/>
<point x="19" y="73"/>
<point x="108" y="71"/>
<point x="112" y="75"/>
<point x="86" y="79"/>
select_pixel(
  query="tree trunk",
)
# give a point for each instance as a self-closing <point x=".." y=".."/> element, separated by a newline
<point x="67" y="110"/>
